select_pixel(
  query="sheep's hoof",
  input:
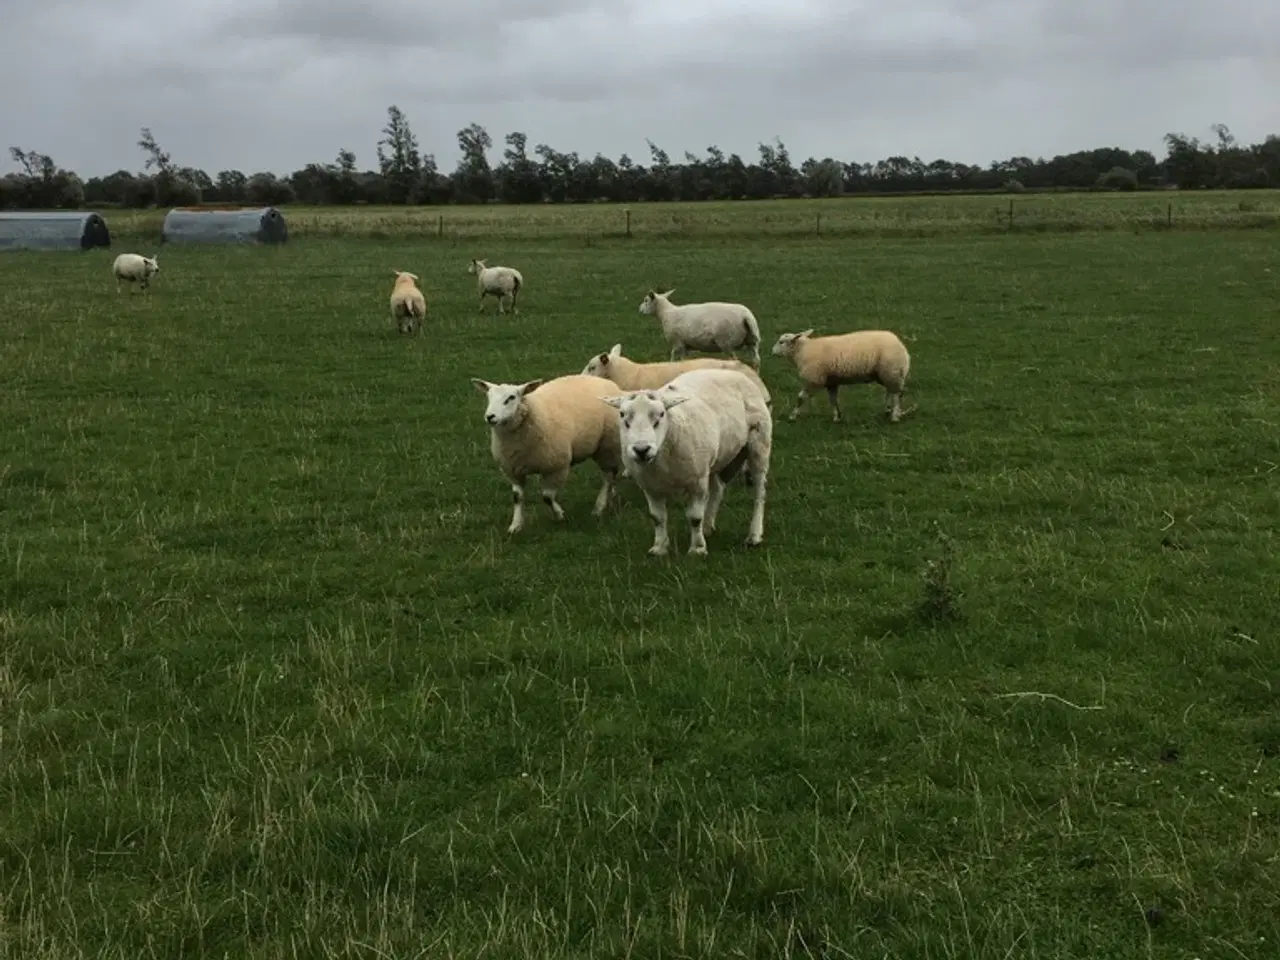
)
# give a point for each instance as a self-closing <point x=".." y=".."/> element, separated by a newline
<point x="697" y="551"/>
<point x="754" y="541"/>
<point x="657" y="551"/>
<point x="515" y="528"/>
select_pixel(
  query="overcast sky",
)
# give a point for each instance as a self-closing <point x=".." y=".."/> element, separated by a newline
<point x="275" y="84"/>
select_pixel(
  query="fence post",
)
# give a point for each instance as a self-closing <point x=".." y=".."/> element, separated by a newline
<point x="819" y="223"/>
<point x="440" y="225"/>
<point x="1169" y="216"/>
<point x="1010" y="211"/>
<point x="628" y="211"/>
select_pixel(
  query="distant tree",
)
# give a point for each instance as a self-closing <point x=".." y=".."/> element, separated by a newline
<point x="473" y="179"/>
<point x="42" y="185"/>
<point x="1118" y="178"/>
<point x="399" y="159"/>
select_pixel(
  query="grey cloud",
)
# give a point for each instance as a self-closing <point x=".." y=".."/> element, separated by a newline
<point x="257" y="84"/>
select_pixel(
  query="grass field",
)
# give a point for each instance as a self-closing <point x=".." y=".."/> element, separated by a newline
<point x="850" y="217"/>
<point x="274" y="681"/>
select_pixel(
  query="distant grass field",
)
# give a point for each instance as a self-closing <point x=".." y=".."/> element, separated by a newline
<point x="274" y="681"/>
<point x="850" y="217"/>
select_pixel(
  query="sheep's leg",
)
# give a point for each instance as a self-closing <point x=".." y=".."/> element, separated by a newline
<point x="758" y="460"/>
<point x="606" y="492"/>
<point x="517" y="506"/>
<point x="801" y="399"/>
<point x="833" y="395"/>
<point x="894" y="405"/>
<point x="715" y="494"/>
<point x="755" y="356"/>
<point x="482" y="301"/>
<point x="658" y="513"/>
<point x="697" y="513"/>
<point x="552" y="484"/>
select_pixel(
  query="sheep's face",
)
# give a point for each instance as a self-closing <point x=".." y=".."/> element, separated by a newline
<point x="787" y="343"/>
<point x="598" y="366"/>
<point x="503" y="401"/>
<point x="402" y="277"/>
<point x="643" y="421"/>
<point x="150" y="266"/>
<point x="649" y="305"/>
<point x="476" y="267"/>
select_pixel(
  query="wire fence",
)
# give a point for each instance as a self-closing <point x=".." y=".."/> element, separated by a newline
<point x="843" y="217"/>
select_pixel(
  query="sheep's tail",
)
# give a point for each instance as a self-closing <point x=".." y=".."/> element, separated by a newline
<point x="515" y="287"/>
<point x="753" y="330"/>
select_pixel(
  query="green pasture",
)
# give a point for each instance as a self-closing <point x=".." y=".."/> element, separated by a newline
<point x="1001" y="682"/>
<point x="847" y="217"/>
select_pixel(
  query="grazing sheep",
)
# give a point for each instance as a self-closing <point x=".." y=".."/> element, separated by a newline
<point x="688" y="440"/>
<point x="712" y="327"/>
<point x="408" y="305"/>
<point x="630" y="375"/>
<point x="545" y="427"/>
<point x="134" y="268"/>
<point x="864" y="356"/>
<point x="500" y="282"/>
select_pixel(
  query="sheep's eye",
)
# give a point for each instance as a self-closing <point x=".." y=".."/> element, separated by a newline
<point x="510" y="399"/>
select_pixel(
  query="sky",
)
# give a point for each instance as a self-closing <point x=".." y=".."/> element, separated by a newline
<point x="276" y="84"/>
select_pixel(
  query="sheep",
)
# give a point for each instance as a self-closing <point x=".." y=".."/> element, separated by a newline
<point x="864" y="356"/>
<point x="545" y="427"/>
<point x="134" y="268"/>
<point x="712" y="327"/>
<point x="408" y="305"/>
<point x="687" y="440"/>
<point x="630" y="375"/>
<point x="500" y="282"/>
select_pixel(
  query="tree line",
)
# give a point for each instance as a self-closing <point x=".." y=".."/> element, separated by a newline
<point x="406" y="175"/>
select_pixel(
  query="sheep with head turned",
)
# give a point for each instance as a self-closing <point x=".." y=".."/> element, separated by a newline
<point x="545" y="428"/>
<point x="864" y="356"/>
<point x="711" y="327"/>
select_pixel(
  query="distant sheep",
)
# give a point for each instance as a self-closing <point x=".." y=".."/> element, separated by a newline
<point x="545" y="428"/>
<point x="408" y="305"/>
<point x="500" y="282"/>
<point x="711" y="327"/>
<point x="134" y="268"/>
<point x="688" y="440"/>
<point x="864" y="356"/>
<point x="631" y="375"/>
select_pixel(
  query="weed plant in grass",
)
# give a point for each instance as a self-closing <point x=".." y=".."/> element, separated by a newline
<point x="1002" y="681"/>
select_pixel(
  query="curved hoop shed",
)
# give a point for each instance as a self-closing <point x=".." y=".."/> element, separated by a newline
<point x="257" y="225"/>
<point x="53" y="230"/>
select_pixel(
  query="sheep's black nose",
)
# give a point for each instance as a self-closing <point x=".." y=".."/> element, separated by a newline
<point x="641" y="450"/>
<point x="491" y="418"/>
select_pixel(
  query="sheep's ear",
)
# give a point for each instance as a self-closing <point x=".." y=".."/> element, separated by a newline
<point x="413" y="277"/>
<point x="667" y="295"/>
<point x="481" y="385"/>
<point x="615" y="350"/>
<point x="615" y="402"/>
<point x="670" y="400"/>
<point x="528" y="388"/>
<point x="805" y="333"/>
<point x="604" y="359"/>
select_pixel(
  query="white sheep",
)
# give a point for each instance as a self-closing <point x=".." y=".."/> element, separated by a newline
<point x="864" y="356"/>
<point x="688" y="440"/>
<point x="134" y="268"/>
<point x="408" y="305"/>
<point x="545" y="427"/>
<point x="631" y="375"/>
<point x="500" y="282"/>
<point x="711" y="327"/>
